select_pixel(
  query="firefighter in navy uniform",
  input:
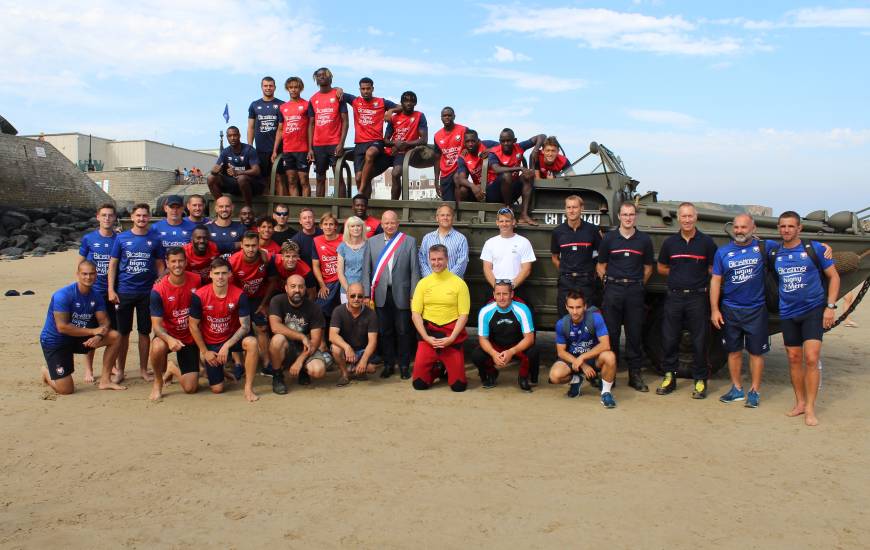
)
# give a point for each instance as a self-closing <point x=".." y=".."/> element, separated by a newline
<point x="571" y="248"/>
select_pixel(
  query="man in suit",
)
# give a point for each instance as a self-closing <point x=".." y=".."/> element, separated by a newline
<point x="390" y="275"/>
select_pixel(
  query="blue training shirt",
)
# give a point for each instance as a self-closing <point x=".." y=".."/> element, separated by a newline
<point x="265" y="115"/>
<point x="742" y="270"/>
<point x="800" y="283"/>
<point x="246" y="157"/>
<point x="136" y="266"/>
<point x="580" y="340"/>
<point x="173" y="235"/>
<point x="82" y="309"/>
<point x="98" y="249"/>
<point x="226" y="237"/>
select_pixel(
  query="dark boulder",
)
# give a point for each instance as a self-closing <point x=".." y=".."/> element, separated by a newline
<point x="62" y="218"/>
<point x="12" y="251"/>
<point x="39" y="251"/>
<point x="12" y="219"/>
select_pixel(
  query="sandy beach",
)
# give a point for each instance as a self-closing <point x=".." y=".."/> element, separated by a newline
<point x="378" y="465"/>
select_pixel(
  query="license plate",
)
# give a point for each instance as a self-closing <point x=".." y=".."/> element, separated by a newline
<point x="555" y="218"/>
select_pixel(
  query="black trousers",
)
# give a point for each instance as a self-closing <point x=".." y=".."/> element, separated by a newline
<point x="394" y="333"/>
<point x="530" y="360"/>
<point x="689" y="311"/>
<point x="623" y="306"/>
<point x="584" y="282"/>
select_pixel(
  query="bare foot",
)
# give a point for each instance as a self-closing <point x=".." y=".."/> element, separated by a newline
<point x="811" y="420"/>
<point x="146" y="375"/>
<point x="115" y="369"/>
<point x="89" y="376"/>
<point x="156" y="393"/>
<point x="251" y="396"/>
<point x="796" y="411"/>
<point x="117" y="376"/>
<point x="525" y="220"/>
<point x="111" y="386"/>
<point x="167" y="378"/>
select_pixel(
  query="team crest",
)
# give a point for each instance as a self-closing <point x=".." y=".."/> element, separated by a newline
<point x="300" y="108"/>
<point x="171" y="298"/>
<point x="730" y="254"/>
<point x="59" y="370"/>
<point x="209" y="307"/>
<point x="803" y="254"/>
<point x="93" y="304"/>
<point x="375" y="103"/>
<point x="233" y="233"/>
<point x="149" y="243"/>
<point x="332" y="100"/>
<point x="756" y="249"/>
<point x="231" y="305"/>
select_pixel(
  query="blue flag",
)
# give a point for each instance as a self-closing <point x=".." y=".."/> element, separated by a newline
<point x="227" y="112"/>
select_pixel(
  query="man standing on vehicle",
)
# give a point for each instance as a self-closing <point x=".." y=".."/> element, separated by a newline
<point x="263" y="125"/>
<point x="448" y="143"/>
<point x="572" y="245"/>
<point x="327" y="128"/>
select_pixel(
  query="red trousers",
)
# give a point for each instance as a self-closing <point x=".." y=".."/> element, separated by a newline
<point x="452" y="357"/>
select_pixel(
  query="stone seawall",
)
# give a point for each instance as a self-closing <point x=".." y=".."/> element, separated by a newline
<point x="132" y="186"/>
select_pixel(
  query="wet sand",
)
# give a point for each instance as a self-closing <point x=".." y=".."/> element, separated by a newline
<point x="378" y="465"/>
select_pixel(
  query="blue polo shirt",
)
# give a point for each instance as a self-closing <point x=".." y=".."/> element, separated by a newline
<point x="136" y="261"/>
<point x="82" y="309"/>
<point x="173" y="235"/>
<point x="265" y="115"/>
<point x="742" y="270"/>
<point x="580" y="340"/>
<point x="689" y="260"/>
<point x="800" y="282"/>
<point x="98" y="249"/>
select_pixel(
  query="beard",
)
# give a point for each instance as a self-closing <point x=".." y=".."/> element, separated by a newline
<point x="742" y="239"/>
<point x="296" y="298"/>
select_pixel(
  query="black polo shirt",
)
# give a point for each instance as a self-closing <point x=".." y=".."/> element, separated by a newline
<point x="625" y="258"/>
<point x="575" y="248"/>
<point x="689" y="260"/>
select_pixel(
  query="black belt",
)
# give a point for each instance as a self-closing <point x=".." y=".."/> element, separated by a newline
<point x="622" y="281"/>
<point x="688" y="290"/>
<point x="584" y="274"/>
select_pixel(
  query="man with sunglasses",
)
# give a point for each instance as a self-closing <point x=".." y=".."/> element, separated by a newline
<point x="353" y="333"/>
<point x="282" y="231"/>
<point x="507" y="256"/>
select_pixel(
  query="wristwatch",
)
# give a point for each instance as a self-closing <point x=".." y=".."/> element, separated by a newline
<point x="831" y="306"/>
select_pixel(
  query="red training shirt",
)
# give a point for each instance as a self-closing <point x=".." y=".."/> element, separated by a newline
<point x="176" y="305"/>
<point x="294" y="115"/>
<point x="219" y="316"/>
<point x="327" y="253"/>
<point x="450" y="144"/>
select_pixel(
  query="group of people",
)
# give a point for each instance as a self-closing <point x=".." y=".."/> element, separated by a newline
<point x="194" y="175"/>
<point x="231" y="296"/>
<point x="299" y="132"/>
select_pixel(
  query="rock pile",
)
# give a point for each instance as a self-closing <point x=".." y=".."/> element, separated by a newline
<point x="38" y="231"/>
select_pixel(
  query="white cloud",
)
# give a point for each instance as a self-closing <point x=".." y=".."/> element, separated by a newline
<point x="603" y="28"/>
<point x="374" y="31"/>
<point x="854" y="18"/>
<point x="670" y="118"/>
<point x="504" y="55"/>
<point x="530" y="81"/>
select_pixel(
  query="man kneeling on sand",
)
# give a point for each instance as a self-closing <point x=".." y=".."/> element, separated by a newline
<point x="76" y="322"/>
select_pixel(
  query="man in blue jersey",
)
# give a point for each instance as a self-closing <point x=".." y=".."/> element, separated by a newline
<point x="805" y="309"/>
<point x="505" y="332"/>
<point x="224" y="232"/>
<point x="174" y="230"/>
<point x="263" y="125"/>
<point x="237" y="170"/>
<point x="96" y="247"/>
<point x="137" y="261"/>
<point x="76" y="322"/>
<point x="583" y="350"/>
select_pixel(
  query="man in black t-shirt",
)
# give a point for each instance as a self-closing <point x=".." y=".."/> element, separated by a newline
<point x="571" y="246"/>
<point x="353" y="332"/>
<point x="625" y="261"/>
<point x="305" y="236"/>
<point x="297" y="327"/>
<point x="283" y="231"/>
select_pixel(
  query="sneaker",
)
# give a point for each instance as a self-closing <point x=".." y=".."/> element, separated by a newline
<point x="607" y="400"/>
<point x="668" y="385"/>
<point x="733" y="395"/>
<point x="752" y="399"/>
<point x="574" y="388"/>
<point x="487" y="381"/>
<point x="268" y="371"/>
<point x="278" y="385"/>
<point x="304" y="377"/>
<point x="700" y="391"/>
<point x="238" y="371"/>
<point x="524" y="384"/>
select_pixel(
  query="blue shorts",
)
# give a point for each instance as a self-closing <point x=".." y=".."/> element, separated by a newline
<point x="259" y="320"/>
<point x="188" y="359"/>
<point x="216" y="374"/>
<point x="493" y="190"/>
<point x="797" y="330"/>
<point x="448" y="187"/>
<point x="745" y="327"/>
<point x="295" y="162"/>
<point x="324" y="158"/>
<point x="230" y="184"/>
<point x="60" y="360"/>
<point x="332" y="299"/>
<point x="382" y="161"/>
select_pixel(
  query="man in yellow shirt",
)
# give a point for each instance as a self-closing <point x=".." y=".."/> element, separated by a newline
<point x="439" y="310"/>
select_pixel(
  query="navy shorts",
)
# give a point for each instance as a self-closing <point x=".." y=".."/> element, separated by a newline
<point x="111" y="313"/>
<point x="324" y="158"/>
<point x="188" y="359"/>
<point x="60" y="361"/>
<point x="332" y="299"/>
<point x="797" y="330"/>
<point x="216" y="374"/>
<point x="493" y="190"/>
<point x="448" y="187"/>
<point x="745" y="328"/>
<point x="297" y="162"/>
<point x="382" y="161"/>
<point x="259" y="319"/>
<point x="398" y="160"/>
<point x="265" y="164"/>
<point x="230" y="184"/>
<point x="141" y="304"/>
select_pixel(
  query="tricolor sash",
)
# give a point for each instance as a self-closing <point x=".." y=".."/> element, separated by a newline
<point x="384" y="260"/>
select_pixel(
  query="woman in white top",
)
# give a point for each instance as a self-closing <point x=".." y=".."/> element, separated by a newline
<point x="350" y="254"/>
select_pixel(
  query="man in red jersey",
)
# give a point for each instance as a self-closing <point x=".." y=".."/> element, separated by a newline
<point x="220" y="320"/>
<point x="550" y="162"/>
<point x="292" y="174"/>
<point x="511" y="179"/>
<point x="199" y="253"/>
<point x="327" y="127"/>
<point x="449" y="141"/>
<point x="325" y="264"/>
<point x="170" y="311"/>
<point x="361" y="210"/>
<point x="252" y="273"/>
<point x="288" y="263"/>
<point x="265" y="229"/>
<point x="369" y="159"/>
<point x="406" y="129"/>
<point x="469" y="167"/>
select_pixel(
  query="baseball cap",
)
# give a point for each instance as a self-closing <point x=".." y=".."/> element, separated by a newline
<point x="173" y="199"/>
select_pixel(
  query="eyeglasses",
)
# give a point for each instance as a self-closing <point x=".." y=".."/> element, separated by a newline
<point x="506" y="210"/>
<point x="282" y="213"/>
<point x="355" y="296"/>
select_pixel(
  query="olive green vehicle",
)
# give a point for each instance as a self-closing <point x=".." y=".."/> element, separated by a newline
<point x="603" y="189"/>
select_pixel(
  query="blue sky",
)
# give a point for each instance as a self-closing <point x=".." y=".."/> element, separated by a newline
<point x="739" y="102"/>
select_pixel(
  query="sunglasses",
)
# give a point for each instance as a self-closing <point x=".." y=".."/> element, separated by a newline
<point x="506" y="210"/>
<point x="504" y="282"/>
<point x="282" y="213"/>
<point x="355" y="296"/>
